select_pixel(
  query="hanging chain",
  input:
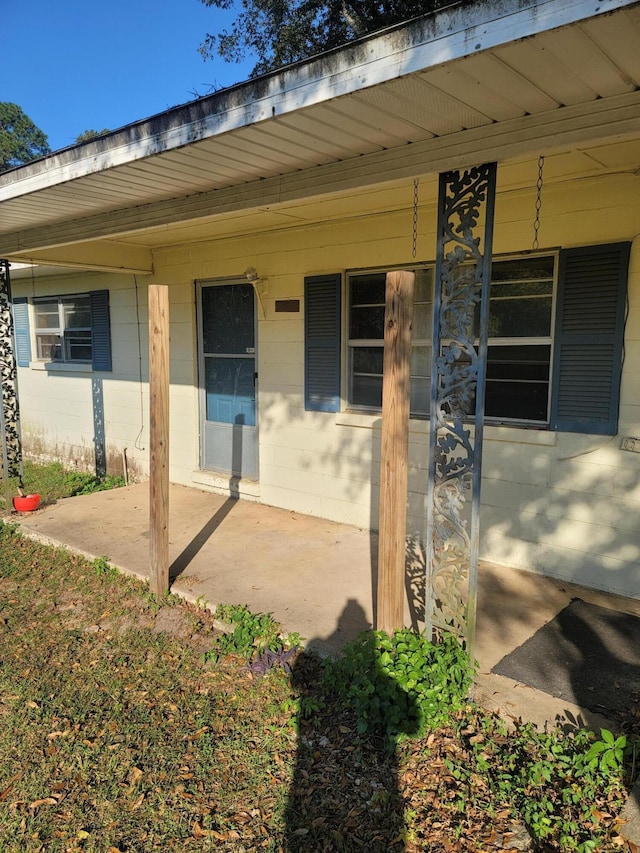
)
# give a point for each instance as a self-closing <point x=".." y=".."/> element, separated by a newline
<point x="536" y="221"/>
<point x="415" y="218"/>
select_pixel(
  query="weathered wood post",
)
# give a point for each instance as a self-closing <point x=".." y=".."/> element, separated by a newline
<point x="159" y="438"/>
<point x="394" y="449"/>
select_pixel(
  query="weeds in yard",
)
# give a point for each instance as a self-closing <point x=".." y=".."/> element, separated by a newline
<point x="251" y="633"/>
<point x="85" y="483"/>
<point x="564" y="787"/>
<point x="115" y="736"/>
<point x="52" y="481"/>
<point x="156" y="603"/>
<point x="401" y="684"/>
<point x="103" y="568"/>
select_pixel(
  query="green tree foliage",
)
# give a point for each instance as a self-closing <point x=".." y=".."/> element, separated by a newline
<point x="20" y="140"/>
<point x="87" y="135"/>
<point x="278" y="32"/>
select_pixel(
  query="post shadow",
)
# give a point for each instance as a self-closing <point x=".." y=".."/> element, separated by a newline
<point x="344" y="795"/>
<point x="415" y="581"/>
<point x="201" y="538"/>
<point x="236" y="455"/>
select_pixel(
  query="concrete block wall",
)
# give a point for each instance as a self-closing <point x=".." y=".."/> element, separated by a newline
<point x="57" y="403"/>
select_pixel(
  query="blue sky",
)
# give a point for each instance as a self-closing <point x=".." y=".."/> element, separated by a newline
<point x="75" y="65"/>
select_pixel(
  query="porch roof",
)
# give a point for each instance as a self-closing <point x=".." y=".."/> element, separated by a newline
<point x="468" y="84"/>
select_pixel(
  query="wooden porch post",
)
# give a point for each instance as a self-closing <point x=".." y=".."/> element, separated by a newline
<point x="159" y="438"/>
<point x="394" y="449"/>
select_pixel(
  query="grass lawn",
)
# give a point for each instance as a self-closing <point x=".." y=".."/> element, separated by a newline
<point x="118" y="732"/>
<point x="52" y="481"/>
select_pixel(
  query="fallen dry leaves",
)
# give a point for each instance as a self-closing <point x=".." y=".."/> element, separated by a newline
<point x="121" y="740"/>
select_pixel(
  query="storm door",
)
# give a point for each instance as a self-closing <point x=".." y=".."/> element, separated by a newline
<point x="228" y="431"/>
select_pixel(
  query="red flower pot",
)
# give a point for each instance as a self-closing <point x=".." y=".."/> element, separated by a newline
<point x="27" y="503"/>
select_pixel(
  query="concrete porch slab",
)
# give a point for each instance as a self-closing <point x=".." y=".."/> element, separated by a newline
<point x="315" y="576"/>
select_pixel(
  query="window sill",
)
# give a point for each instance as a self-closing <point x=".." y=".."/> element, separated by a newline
<point x="521" y="434"/>
<point x="364" y="420"/>
<point x="373" y="420"/>
<point x="492" y="432"/>
<point x="61" y="367"/>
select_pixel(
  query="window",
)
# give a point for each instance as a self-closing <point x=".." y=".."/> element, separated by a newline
<point x="63" y="328"/>
<point x="519" y="354"/>
<point x="69" y="329"/>
<point x="365" y="343"/>
<point x="519" y="343"/>
<point x="555" y="343"/>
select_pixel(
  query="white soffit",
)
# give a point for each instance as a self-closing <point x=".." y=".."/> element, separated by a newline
<point x="463" y="71"/>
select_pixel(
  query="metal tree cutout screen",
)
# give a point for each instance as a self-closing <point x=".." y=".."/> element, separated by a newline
<point x="461" y="314"/>
<point x="10" y="414"/>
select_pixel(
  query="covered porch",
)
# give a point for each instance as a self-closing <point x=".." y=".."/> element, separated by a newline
<point x="336" y="178"/>
<point x="317" y="578"/>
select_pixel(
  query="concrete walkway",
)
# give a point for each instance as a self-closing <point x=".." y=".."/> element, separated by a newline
<point x="314" y="576"/>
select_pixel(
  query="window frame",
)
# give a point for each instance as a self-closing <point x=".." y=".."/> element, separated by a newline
<point x="350" y="344"/>
<point x="528" y="340"/>
<point x="62" y="329"/>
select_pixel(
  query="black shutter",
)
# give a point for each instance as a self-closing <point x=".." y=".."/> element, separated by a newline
<point x="322" y="300"/>
<point x="21" y="331"/>
<point x="100" y="330"/>
<point x="589" y="338"/>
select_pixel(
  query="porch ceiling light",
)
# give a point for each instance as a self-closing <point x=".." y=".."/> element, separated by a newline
<point x="259" y="286"/>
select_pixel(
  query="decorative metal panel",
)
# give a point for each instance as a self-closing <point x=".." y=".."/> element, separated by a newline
<point x="99" y="435"/>
<point x="10" y="413"/>
<point x="461" y="313"/>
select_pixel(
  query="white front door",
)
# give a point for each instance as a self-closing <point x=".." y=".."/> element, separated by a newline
<point x="229" y="441"/>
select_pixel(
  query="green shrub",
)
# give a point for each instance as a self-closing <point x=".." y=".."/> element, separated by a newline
<point x="53" y="482"/>
<point x="85" y="483"/>
<point x="253" y="633"/>
<point x="560" y="785"/>
<point x="400" y="685"/>
<point x="103" y="568"/>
